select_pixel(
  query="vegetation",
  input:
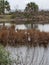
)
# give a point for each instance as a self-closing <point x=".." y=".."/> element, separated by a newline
<point x="23" y="37"/>
<point x="4" y="5"/>
<point x="31" y="7"/>
<point x="4" y="57"/>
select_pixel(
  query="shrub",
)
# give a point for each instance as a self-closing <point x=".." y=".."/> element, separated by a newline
<point x="4" y="56"/>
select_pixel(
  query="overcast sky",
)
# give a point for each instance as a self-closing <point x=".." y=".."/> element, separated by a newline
<point x="21" y="4"/>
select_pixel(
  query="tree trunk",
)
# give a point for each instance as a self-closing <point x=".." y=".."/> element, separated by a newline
<point x="31" y="26"/>
<point x="35" y="26"/>
<point x="3" y="24"/>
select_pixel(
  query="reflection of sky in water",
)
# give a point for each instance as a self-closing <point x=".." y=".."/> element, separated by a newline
<point x="17" y="26"/>
<point x="44" y="27"/>
<point x="29" y="56"/>
<point x="20" y="27"/>
<point x="40" y="27"/>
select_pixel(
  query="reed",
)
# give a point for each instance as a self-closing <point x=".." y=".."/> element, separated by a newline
<point x="23" y="37"/>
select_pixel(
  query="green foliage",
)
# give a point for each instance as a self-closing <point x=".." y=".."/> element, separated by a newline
<point x="4" y="57"/>
<point x="4" y="5"/>
<point x="31" y="7"/>
<point x="13" y="16"/>
<point x="7" y="6"/>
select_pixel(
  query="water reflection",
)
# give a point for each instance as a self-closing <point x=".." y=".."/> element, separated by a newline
<point x="40" y="27"/>
<point x="43" y="27"/>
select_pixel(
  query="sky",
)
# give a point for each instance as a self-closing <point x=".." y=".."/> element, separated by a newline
<point x="21" y="4"/>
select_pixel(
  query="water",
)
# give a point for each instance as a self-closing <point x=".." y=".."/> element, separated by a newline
<point x="39" y="27"/>
<point x="43" y="27"/>
<point x="29" y="56"/>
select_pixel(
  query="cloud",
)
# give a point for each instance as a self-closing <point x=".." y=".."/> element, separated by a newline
<point x="20" y="4"/>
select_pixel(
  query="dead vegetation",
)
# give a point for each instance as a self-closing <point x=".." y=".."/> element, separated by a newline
<point x="23" y="37"/>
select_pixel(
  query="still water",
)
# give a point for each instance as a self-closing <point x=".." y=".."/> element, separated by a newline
<point x="40" y="27"/>
<point x="43" y="27"/>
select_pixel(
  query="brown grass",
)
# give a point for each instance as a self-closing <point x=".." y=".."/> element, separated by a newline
<point x="13" y="38"/>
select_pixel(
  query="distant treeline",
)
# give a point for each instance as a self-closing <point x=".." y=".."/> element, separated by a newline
<point x="28" y="14"/>
<point x="30" y="38"/>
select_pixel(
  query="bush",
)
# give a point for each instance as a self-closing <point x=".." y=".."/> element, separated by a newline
<point x="13" y="16"/>
<point x="4" y="57"/>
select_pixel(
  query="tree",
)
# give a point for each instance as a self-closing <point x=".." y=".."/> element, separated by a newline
<point x="4" y="5"/>
<point x="31" y="7"/>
